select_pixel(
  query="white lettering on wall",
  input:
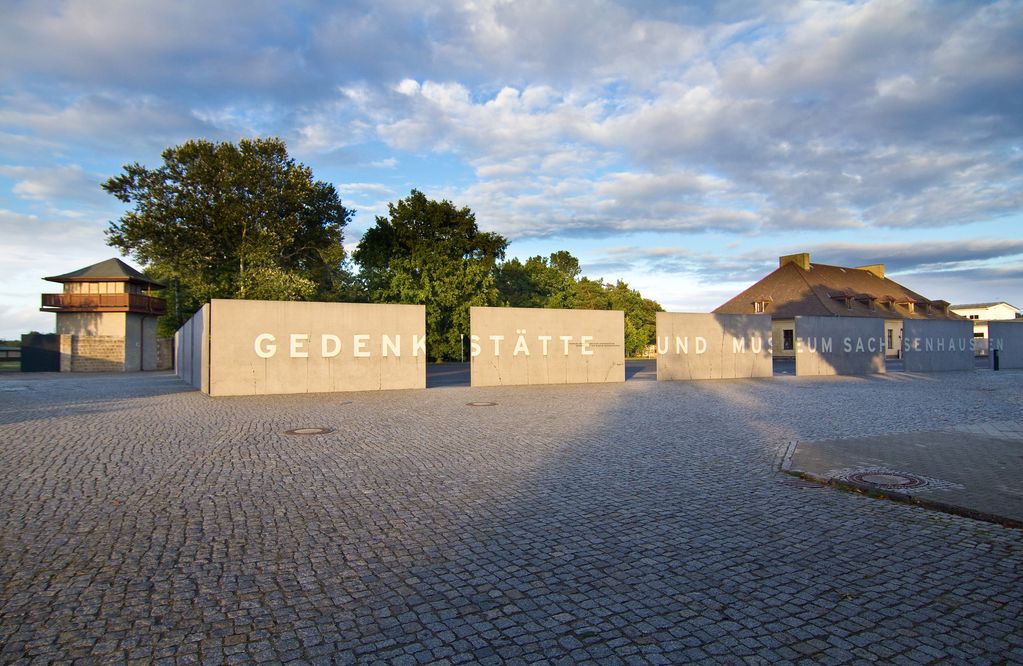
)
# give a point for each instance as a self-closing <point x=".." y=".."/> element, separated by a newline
<point x="391" y="346"/>
<point x="359" y="343"/>
<point x="298" y="341"/>
<point x="520" y="343"/>
<point x="331" y="345"/>
<point x="333" y="339"/>
<point x="267" y="350"/>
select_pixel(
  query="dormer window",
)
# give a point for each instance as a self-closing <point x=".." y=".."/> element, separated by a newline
<point x="760" y="307"/>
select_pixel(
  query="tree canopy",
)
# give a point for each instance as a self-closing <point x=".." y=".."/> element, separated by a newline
<point x="431" y="253"/>
<point x="219" y="220"/>
<point x="540" y="282"/>
<point x="554" y="282"/>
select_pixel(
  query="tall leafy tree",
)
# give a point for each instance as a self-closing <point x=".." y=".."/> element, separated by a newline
<point x="540" y="282"/>
<point x="431" y="253"/>
<point x="640" y="316"/>
<point x="219" y="220"/>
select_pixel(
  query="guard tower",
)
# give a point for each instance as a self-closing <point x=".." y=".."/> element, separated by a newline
<point x="106" y="318"/>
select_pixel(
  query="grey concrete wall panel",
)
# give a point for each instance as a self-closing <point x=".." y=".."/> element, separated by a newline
<point x="710" y="346"/>
<point x="191" y="356"/>
<point x="133" y="342"/>
<point x="517" y="346"/>
<point x="275" y="347"/>
<point x="150" y="355"/>
<point x="937" y="345"/>
<point x="1007" y="338"/>
<point x="839" y="345"/>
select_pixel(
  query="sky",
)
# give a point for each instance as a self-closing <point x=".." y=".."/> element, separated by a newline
<point x="680" y="147"/>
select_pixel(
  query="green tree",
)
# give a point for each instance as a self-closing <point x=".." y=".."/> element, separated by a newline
<point x="540" y="282"/>
<point x="431" y="253"/>
<point x="640" y="316"/>
<point x="219" y="220"/>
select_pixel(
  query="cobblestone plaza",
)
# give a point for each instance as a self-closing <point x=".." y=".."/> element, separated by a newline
<point x="644" y="522"/>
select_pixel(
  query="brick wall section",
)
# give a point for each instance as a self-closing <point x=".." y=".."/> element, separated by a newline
<point x="97" y="353"/>
<point x="164" y="353"/>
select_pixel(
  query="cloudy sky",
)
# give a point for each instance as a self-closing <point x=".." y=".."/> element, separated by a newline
<point x="679" y="146"/>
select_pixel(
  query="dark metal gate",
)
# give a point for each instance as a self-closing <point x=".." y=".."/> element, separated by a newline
<point x="40" y="352"/>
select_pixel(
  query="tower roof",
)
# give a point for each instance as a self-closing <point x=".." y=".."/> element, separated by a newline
<point x="111" y="270"/>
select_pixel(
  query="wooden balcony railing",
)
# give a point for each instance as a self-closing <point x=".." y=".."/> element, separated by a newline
<point x="104" y="303"/>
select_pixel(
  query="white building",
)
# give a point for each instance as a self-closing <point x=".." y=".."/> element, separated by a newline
<point x="981" y="314"/>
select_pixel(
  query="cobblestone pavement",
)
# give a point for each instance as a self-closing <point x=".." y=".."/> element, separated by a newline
<point x="636" y="523"/>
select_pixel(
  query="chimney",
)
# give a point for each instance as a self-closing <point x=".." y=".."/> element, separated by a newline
<point x="876" y="269"/>
<point x="802" y="260"/>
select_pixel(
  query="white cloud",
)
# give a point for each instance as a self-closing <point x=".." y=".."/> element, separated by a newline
<point x="33" y="248"/>
<point x="59" y="183"/>
<point x="596" y="119"/>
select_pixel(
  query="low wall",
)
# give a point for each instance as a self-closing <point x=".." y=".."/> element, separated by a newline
<point x="839" y="345"/>
<point x="711" y="346"/>
<point x="516" y="346"/>
<point x="192" y="350"/>
<point x="239" y="347"/>
<point x="97" y="353"/>
<point x="937" y="345"/>
<point x="1007" y="338"/>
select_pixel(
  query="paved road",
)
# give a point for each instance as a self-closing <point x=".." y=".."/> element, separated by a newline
<point x="642" y="523"/>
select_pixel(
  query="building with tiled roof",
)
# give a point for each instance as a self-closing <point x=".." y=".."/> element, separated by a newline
<point x="801" y="288"/>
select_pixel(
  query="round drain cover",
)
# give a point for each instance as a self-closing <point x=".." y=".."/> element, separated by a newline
<point x="481" y="404"/>
<point x="887" y="480"/>
<point x="308" y="431"/>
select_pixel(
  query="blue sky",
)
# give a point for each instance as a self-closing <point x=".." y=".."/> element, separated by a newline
<point x="681" y="147"/>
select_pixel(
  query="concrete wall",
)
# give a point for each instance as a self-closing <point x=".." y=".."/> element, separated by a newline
<point x="164" y="353"/>
<point x="150" y="344"/>
<point x="507" y="346"/>
<point x="937" y="345"/>
<point x="133" y="342"/>
<point x="192" y="350"/>
<point x="91" y="323"/>
<point x="709" y="346"/>
<point x="66" y="348"/>
<point x="839" y="345"/>
<point x="273" y="347"/>
<point x="1007" y="337"/>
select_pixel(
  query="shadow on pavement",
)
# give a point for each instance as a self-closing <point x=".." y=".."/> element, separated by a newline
<point x="458" y="374"/>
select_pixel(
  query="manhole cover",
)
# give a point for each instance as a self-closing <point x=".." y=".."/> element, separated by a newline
<point x="308" y="431"/>
<point x="481" y="404"/>
<point x="887" y="480"/>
